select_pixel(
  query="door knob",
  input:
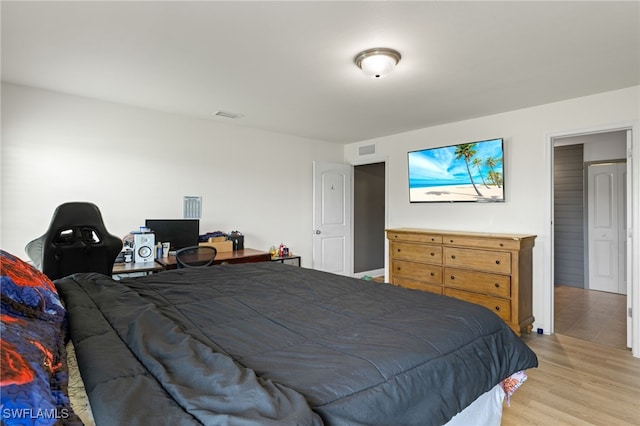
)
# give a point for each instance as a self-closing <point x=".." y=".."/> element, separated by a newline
<point x="318" y="232"/>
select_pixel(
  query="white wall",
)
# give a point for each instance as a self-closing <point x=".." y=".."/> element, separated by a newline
<point x="606" y="146"/>
<point x="527" y="172"/>
<point x="599" y="146"/>
<point x="137" y="164"/>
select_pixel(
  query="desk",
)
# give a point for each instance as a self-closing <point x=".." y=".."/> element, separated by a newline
<point x="131" y="268"/>
<point x="239" y="256"/>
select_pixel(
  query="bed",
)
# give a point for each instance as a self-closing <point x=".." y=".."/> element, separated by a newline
<point x="267" y="343"/>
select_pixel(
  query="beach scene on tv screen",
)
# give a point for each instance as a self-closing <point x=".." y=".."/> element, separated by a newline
<point x="464" y="172"/>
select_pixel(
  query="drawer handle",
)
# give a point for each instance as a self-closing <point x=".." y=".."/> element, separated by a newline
<point x="432" y="274"/>
<point x="399" y="250"/>
<point x="497" y="262"/>
<point x="501" y="245"/>
<point x="433" y="254"/>
<point x="453" y="277"/>
<point x="450" y="241"/>
<point x="497" y="285"/>
<point x="497" y="308"/>
<point x="453" y="256"/>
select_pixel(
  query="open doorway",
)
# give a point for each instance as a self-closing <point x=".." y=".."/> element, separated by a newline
<point x="369" y="213"/>
<point x="589" y="281"/>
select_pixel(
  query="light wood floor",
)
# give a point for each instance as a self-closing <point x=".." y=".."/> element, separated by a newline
<point x="586" y="374"/>
<point x="577" y="383"/>
<point x="595" y="316"/>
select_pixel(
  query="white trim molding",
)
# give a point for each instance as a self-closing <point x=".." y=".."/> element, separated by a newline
<point x="633" y="225"/>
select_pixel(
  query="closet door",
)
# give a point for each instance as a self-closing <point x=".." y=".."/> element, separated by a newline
<point x="606" y="211"/>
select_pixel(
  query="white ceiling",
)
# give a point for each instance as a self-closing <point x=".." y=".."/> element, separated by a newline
<point x="288" y="66"/>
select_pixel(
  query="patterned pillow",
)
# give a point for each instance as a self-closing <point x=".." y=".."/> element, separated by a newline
<point x="33" y="370"/>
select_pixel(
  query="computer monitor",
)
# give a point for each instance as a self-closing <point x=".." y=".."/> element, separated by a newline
<point x="180" y="233"/>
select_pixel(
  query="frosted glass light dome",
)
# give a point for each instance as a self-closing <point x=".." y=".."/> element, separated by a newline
<point x="377" y="62"/>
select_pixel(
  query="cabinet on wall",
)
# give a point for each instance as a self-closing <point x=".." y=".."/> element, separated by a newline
<point x="492" y="270"/>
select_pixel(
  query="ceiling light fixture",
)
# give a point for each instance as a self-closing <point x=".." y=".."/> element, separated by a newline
<point x="377" y="62"/>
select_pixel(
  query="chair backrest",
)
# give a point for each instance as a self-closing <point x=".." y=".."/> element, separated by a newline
<point x="78" y="241"/>
<point x="195" y="256"/>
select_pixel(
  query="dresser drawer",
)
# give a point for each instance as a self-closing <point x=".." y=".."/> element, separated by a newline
<point x="417" y="252"/>
<point x="479" y="282"/>
<point x="417" y="285"/>
<point x="416" y="271"/>
<point x="417" y="237"/>
<point x="501" y="307"/>
<point x="490" y="269"/>
<point x="484" y="242"/>
<point x="489" y="261"/>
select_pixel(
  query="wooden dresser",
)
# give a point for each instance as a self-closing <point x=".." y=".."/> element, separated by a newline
<point x="492" y="270"/>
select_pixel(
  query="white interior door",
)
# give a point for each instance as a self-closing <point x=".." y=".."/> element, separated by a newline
<point x="607" y="241"/>
<point x="332" y="251"/>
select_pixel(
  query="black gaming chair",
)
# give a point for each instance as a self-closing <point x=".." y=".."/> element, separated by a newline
<point x="76" y="241"/>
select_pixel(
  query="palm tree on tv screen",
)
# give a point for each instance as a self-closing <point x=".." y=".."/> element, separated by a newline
<point x="492" y="162"/>
<point x="496" y="178"/>
<point x="478" y="162"/>
<point x="467" y="151"/>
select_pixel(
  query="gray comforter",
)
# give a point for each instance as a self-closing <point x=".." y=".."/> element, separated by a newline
<point x="267" y="343"/>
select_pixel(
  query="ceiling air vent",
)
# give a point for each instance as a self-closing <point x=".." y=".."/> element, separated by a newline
<point x="367" y="149"/>
<point x="226" y="114"/>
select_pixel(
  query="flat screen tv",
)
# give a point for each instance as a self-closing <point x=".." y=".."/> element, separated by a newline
<point x="180" y="233"/>
<point x="467" y="172"/>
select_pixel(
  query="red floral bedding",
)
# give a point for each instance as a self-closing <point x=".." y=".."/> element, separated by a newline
<point x="33" y="371"/>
